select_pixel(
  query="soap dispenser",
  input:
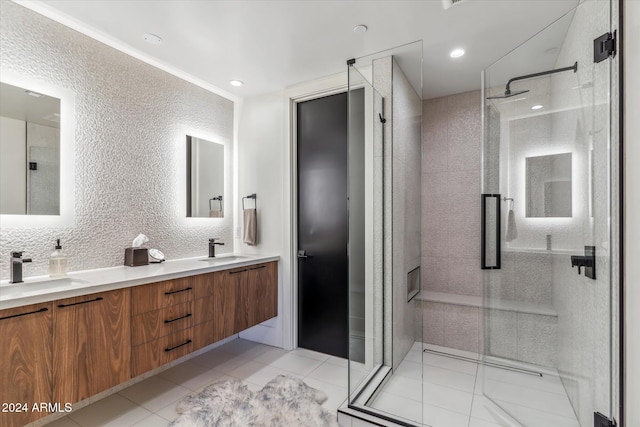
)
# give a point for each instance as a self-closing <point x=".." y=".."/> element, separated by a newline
<point x="57" y="262"/>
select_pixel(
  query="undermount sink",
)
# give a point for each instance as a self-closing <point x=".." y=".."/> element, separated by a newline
<point x="30" y="287"/>
<point x="222" y="259"/>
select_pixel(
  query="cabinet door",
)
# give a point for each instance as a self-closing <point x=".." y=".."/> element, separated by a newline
<point x="92" y="344"/>
<point x="230" y="296"/>
<point x="262" y="284"/>
<point x="25" y="361"/>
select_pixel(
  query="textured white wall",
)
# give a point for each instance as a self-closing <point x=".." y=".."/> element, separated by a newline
<point x="131" y="122"/>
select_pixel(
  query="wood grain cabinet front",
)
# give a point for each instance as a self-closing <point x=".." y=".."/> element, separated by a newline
<point x="244" y="297"/>
<point x="68" y="350"/>
<point x="92" y="344"/>
<point x="262" y="292"/>
<point x="171" y="319"/>
<point x="25" y="362"/>
<point x="156" y="353"/>
<point x="157" y="295"/>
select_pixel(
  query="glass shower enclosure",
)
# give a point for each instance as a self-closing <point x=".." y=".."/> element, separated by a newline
<point x="524" y="331"/>
<point x="548" y="174"/>
<point x="385" y="323"/>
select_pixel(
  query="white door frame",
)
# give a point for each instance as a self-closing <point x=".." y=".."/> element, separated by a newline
<point x="304" y="92"/>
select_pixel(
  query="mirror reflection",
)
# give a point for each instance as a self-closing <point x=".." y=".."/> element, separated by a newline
<point x="29" y="152"/>
<point x="205" y="178"/>
<point x="548" y="181"/>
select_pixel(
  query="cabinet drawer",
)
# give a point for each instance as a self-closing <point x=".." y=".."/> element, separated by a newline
<point x="152" y="325"/>
<point x="162" y="294"/>
<point x="163" y="350"/>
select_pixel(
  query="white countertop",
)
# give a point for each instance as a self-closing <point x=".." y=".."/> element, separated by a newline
<point x="44" y="288"/>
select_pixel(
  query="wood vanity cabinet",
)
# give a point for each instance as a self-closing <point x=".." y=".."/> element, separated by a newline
<point x="170" y="319"/>
<point x="91" y="344"/>
<point x="263" y="292"/>
<point x="244" y="297"/>
<point x="25" y="362"/>
<point x="70" y="349"/>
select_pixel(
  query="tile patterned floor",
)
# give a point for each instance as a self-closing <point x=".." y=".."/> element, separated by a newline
<point x="453" y="391"/>
<point x="448" y="392"/>
<point x="151" y="402"/>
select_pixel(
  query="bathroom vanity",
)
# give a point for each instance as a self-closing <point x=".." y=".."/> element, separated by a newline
<point x="65" y="345"/>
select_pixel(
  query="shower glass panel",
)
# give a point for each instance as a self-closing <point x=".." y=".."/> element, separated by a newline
<point x="547" y="298"/>
<point x="365" y="230"/>
<point x="385" y="322"/>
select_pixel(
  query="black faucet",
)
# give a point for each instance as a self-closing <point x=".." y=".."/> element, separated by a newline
<point x="212" y="247"/>
<point x="16" y="266"/>
<point x="588" y="261"/>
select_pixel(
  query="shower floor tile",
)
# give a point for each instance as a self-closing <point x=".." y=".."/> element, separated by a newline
<point x="438" y="390"/>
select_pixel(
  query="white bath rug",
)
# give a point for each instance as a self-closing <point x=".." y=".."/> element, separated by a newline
<point x="285" y="401"/>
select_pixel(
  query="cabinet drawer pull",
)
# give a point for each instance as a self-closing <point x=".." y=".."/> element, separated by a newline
<point x="25" y="314"/>
<point x="237" y="272"/>
<point x="258" y="268"/>
<point x="81" y="302"/>
<point x="177" y="346"/>
<point x="179" y="290"/>
<point x="178" y="318"/>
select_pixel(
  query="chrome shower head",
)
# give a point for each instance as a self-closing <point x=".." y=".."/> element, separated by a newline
<point x="508" y="94"/>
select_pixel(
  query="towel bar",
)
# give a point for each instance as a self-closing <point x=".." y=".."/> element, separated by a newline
<point x="250" y="196"/>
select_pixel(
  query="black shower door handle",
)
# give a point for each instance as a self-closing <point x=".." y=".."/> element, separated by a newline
<point x="490" y="224"/>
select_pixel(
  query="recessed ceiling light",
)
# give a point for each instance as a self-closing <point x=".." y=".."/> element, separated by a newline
<point x="236" y="83"/>
<point x="536" y="107"/>
<point x="151" y="38"/>
<point x="456" y="53"/>
<point x="358" y="29"/>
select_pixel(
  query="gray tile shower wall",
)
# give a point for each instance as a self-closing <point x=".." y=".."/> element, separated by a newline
<point x="451" y="248"/>
<point x="131" y="122"/>
<point x="452" y="142"/>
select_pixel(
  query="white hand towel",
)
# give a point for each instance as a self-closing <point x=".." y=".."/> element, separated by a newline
<point x="512" y="230"/>
<point x="250" y="227"/>
<point x="215" y="213"/>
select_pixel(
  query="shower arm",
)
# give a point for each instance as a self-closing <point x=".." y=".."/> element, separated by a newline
<point x="542" y="73"/>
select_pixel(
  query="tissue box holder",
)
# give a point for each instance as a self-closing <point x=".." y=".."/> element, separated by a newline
<point x="134" y="257"/>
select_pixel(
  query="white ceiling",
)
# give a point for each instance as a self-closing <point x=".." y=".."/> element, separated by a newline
<point x="272" y="44"/>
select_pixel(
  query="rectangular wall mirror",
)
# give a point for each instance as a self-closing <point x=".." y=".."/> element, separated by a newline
<point x="548" y="186"/>
<point x="29" y="152"/>
<point x="205" y="178"/>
